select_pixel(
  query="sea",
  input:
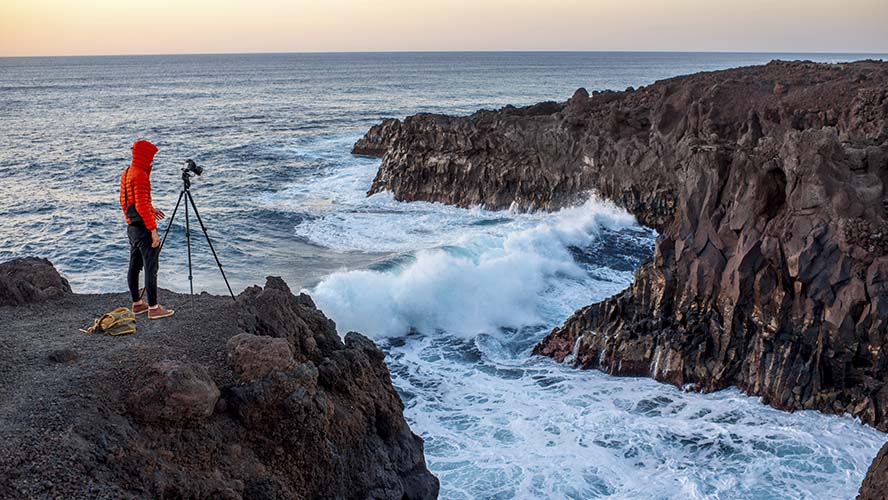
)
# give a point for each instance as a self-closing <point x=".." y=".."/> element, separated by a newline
<point x="456" y="298"/>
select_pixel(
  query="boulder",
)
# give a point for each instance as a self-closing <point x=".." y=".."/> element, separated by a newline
<point x="29" y="280"/>
<point x="173" y="392"/>
<point x="254" y="356"/>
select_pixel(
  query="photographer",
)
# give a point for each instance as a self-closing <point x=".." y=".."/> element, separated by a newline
<point x="141" y="219"/>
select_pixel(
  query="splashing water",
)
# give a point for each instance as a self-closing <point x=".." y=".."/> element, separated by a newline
<point x="456" y="298"/>
<point x="458" y="309"/>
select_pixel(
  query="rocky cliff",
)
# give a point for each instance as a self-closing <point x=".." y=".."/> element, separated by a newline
<point x="875" y="484"/>
<point x="258" y="398"/>
<point x="767" y="186"/>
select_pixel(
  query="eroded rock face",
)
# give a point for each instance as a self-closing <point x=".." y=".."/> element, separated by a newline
<point x="375" y="141"/>
<point x="175" y="393"/>
<point x="28" y="280"/>
<point x="254" y="399"/>
<point x="253" y="356"/>
<point x="767" y="186"/>
<point x="875" y="485"/>
<point x="334" y="415"/>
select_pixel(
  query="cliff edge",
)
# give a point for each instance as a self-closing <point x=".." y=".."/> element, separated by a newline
<point x="767" y="186"/>
<point x="258" y="398"/>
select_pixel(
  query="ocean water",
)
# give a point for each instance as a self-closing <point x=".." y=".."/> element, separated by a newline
<point x="457" y="298"/>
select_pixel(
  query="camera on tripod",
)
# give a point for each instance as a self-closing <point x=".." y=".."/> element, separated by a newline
<point x="192" y="168"/>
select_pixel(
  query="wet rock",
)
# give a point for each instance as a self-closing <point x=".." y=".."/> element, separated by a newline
<point x="769" y="270"/>
<point x="254" y="357"/>
<point x="28" y="280"/>
<point x="875" y="484"/>
<point x="173" y="392"/>
<point x="375" y="142"/>
<point x="772" y="211"/>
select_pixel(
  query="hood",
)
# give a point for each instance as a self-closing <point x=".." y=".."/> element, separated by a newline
<point x="143" y="154"/>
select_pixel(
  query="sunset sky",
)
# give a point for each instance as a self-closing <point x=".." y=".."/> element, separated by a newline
<point x="56" y="27"/>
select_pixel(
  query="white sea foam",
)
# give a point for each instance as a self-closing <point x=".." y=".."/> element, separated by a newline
<point x="478" y="283"/>
<point x="480" y="288"/>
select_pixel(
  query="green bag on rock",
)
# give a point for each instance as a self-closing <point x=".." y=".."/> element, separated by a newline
<point x="120" y="321"/>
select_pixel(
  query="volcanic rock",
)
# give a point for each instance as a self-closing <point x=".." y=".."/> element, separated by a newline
<point x="28" y="280"/>
<point x="257" y="398"/>
<point x="174" y="393"/>
<point x="875" y="485"/>
<point x="767" y="186"/>
<point x="254" y="356"/>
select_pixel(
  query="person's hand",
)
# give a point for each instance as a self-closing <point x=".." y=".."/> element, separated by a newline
<point x="159" y="215"/>
<point x="155" y="240"/>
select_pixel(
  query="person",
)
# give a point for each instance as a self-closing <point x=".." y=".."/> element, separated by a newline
<point x="141" y="218"/>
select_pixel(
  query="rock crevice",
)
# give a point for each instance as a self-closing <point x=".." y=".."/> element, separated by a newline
<point x="767" y="186"/>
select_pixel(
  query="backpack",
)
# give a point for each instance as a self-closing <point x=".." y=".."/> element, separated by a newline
<point x="120" y="321"/>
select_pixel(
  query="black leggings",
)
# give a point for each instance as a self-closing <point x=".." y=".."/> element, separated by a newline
<point x="142" y="255"/>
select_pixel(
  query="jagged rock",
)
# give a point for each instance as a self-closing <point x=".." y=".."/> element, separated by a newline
<point x="254" y="357"/>
<point x="767" y="186"/>
<point x="374" y="142"/>
<point x="275" y="311"/>
<point x="301" y="413"/>
<point x="173" y="392"/>
<point x="28" y="280"/>
<point x="337" y="403"/>
<point x="875" y="485"/>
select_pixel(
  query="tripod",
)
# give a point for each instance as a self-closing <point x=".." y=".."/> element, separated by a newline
<point x="186" y="195"/>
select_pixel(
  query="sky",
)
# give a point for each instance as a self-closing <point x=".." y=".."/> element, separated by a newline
<point x="92" y="27"/>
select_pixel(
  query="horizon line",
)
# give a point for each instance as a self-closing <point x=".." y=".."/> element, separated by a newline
<point x="540" y="51"/>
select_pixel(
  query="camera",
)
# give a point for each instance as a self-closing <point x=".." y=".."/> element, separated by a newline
<point x="191" y="167"/>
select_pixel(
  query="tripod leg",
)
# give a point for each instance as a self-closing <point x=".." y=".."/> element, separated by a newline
<point x="204" y="229"/>
<point x="188" y="242"/>
<point x="170" y="223"/>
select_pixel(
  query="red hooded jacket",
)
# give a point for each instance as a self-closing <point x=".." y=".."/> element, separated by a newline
<point x="135" y="187"/>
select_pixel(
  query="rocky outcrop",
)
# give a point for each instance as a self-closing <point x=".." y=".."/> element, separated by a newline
<point x="28" y="280"/>
<point x="767" y="186"/>
<point x="875" y="485"/>
<point x="374" y="142"/>
<point x="174" y="393"/>
<point x="258" y="399"/>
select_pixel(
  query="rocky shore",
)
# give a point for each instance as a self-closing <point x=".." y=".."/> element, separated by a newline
<point x="258" y="399"/>
<point x="767" y="186"/>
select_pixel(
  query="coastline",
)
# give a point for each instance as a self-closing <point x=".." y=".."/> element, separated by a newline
<point x="257" y="398"/>
<point x="766" y="185"/>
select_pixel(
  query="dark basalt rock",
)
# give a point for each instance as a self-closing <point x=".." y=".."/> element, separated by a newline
<point x="257" y="398"/>
<point x="375" y="142"/>
<point x="28" y="280"/>
<point x="875" y="485"/>
<point x="767" y="186"/>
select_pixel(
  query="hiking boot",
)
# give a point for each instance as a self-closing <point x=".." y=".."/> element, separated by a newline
<point x="159" y="311"/>
<point x="140" y="307"/>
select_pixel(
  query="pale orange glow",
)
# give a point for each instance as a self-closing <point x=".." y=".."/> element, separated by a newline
<point x="57" y="27"/>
